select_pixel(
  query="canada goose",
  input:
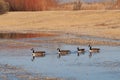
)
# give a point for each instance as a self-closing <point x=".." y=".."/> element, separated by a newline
<point x="96" y="50"/>
<point x="37" y="54"/>
<point x="63" y="52"/>
<point x="79" y="51"/>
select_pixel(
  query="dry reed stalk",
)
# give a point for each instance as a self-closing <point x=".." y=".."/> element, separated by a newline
<point x="31" y="5"/>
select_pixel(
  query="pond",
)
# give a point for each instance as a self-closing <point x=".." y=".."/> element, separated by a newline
<point x="104" y="65"/>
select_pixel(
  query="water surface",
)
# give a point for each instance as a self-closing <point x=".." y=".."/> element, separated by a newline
<point x="104" y="65"/>
<point x="101" y="66"/>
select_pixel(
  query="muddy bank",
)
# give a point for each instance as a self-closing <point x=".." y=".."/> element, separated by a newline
<point x="8" y="72"/>
<point x="100" y="24"/>
<point x="76" y="39"/>
<point x="14" y="35"/>
<point x="103" y="23"/>
<point x="29" y="40"/>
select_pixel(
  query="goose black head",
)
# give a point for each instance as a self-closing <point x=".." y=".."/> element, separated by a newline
<point x="58" y="49"/>
<point x="90" y="46"/>
<point x="33" y="50"/>
<point x="77" y="48"/>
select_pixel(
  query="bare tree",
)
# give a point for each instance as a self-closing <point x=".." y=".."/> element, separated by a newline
<point x="77" y="5"/>
<point x="117" y="4"/>
<point x="31" y="5"/>
<point x="4" y="7"/>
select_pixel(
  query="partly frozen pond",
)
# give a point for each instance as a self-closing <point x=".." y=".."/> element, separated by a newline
<point x="100" y="66"/>
<point x="96" y="66"/>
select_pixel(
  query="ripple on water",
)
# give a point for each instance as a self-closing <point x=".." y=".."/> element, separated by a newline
<point x="83" y="67"/>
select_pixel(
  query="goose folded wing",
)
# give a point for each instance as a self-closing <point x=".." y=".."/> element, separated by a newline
<point x="81" y="49"/>
<point x="40" y="52"/>
<point x="95" y="48"/>
<point x="65" y="50"/>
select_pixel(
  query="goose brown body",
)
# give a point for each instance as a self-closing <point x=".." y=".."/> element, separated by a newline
<point x="93" y="49"/>
<point x="63" y="52"/>
<point x="79" y="51"/>
<point x="38" y="53"/>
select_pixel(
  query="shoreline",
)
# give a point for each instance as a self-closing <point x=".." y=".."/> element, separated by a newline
<point x="13" y="72"/>
<point x="67" y="27"/>
<point x="99" y="24"/>
<point x="55" y="37"/>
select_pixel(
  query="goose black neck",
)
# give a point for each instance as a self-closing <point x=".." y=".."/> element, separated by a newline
<point x="58" y="49"/>
<point x="90" y="47"/>
<point x="33" y="51"/>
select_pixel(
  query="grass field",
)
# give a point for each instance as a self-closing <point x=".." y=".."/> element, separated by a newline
<point x="96" y="23"/>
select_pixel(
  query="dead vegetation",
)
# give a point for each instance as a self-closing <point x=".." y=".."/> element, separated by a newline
<point x="24" y="35"/>
<point x="31" y="5"/>
<point x="76" y="41"/>
<point x="79" y="5"/>
<point x="4" y="7"/>
<point x="97" y="23"/>
<point x="117" y="4"/>
<point x="40" y="5"/>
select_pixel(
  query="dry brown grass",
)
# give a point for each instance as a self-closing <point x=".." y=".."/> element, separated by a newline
<point x="117" y="4"/>
<point x="80" y="41"/>
<point x="4" y="7"/>
<point x="104" y="24"/>
<point x="95" y="6"/>
<point x="91" y="6"/>
<point x="31" y="5"/>
<point x="24" y="35"/>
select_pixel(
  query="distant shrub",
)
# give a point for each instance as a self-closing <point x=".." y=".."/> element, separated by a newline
<point x="31" y="5"/>
<point x="77" y="5"/>
<point x="4" y="7"/>
<point x="118" y="4"/>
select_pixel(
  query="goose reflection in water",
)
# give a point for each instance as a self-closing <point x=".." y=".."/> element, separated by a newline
<point x="91" y="54"/>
